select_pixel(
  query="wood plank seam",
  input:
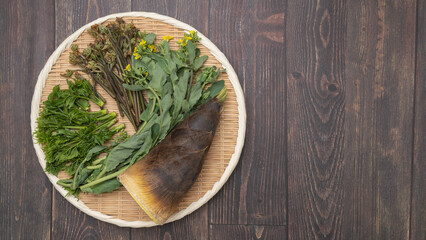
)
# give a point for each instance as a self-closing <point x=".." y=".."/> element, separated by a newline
<point x="238" y="224"/>
<point x="286" y="119"/>
<point x="414" y="123"/>
<point x="417" y="228"/>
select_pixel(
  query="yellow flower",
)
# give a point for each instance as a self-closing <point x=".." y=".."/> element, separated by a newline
<point x="188" y="38"/>
<point x="127" y="67"/>
<point x="167" y="38"/>
<point x="182" y="42"/>
<point x="142" y="43"/>
<point x="137" y="56"/>
<point x="152" y="47"/>
<point x="146" y="74"/>
<point x="192" y="32"/>
<point x="136" y="49"/>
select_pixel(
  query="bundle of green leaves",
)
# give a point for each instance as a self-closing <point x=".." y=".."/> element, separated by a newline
<point x="174" y="85"/>
<point x="67" y="130"/>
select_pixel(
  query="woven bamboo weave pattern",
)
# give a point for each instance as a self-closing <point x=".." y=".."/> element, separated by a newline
<point x="119" y="204"/>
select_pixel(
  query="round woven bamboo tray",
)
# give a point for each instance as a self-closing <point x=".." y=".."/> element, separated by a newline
<point x="119" y="207"/>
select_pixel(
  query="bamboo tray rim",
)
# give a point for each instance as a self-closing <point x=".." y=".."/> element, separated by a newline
<point x="35" y="109"/>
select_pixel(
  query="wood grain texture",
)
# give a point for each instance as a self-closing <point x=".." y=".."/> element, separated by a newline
<point x="315" y="33"/>
<point x="25" y="192"/>
<point x="379" y="119"/>
<point x="418" y="189"/>
<point x="68" y="222"/>
<point x="335" y="187"/>
<point x="341" y="83"/>
<point x="72" y="15"/>
<point x="193" y="226"/>
<point x="360" y="60"/>
<point x="250" y="33"/>
<point x="194" y="13"/>
<point x="247" y="232"/>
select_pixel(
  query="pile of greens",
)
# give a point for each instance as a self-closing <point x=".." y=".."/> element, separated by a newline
<point x="67" y="130"/>
<point x="106" y="59"/>
<point x="174" y="85"/>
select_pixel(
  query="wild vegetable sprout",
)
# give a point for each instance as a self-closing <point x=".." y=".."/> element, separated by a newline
<point x="159" y="181"/>
<point x="105" y="60"/>
<point x="155" y="87"/>
<point x="67" y="130"/>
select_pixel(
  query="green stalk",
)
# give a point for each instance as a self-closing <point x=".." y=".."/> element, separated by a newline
<point x="107" y="117"/>
<point x="129" y="94"/>
<point x="74" y="127"/>
<point x="136" y="106"/>
<point x="100" y="112"/>
<point x="107" y="124"/>
<point x="102" y="173"/>
<point x="190" y="84"/>
<point x="73" y="187"/>
<point x="108" y="90"/>
<point x="150" y="112"/>
<point x="94" y="167"/>
<point x="65" y="180"/>
<point x="141" y="100"/>
<point x="63" y="184"/>
<point x="117" y="128"/>
<point x="99" y="160"/>
<point x="97" y="101"/>
<point x="156" y="96"/>
<point x="103" y="179"/>
<point x="128" y="116"/>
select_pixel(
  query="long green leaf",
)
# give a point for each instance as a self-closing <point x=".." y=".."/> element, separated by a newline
<point x="199" y="62"/>
<point x="133" y="87"/>
<point x="158" y="78"/>
<point x="124" y="150"/>
<point x="195" y="94"/>
<point x="107" y="186"/>
<point x="191" y="52"/>
<point x="149" y="38"/>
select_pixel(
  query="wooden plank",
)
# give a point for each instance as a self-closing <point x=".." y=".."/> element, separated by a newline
<point x="68" y="221"/>
<point x="20" y="56"/>
<point x="26" y="42"/>
<point x="379" y="118"/>
<point x="418" y="201"/>
<point x="342" y="104"/>
<point x="193" y="226"/>
<point x="362" y="31"/>
<point x="248" y="232"/>
<point x="251" y="35"/>
<point x="72" y="15"/>
<point x="194" y="13"/>
<point x="315" y="33"/>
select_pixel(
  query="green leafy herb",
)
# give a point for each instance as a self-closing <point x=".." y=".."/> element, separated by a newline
<point x="173" y="85"/>
<point x="107" y="186"/>
<point x="67" y="131"/>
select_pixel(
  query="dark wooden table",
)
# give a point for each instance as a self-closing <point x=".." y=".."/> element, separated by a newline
<point x="336" y="108"/>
